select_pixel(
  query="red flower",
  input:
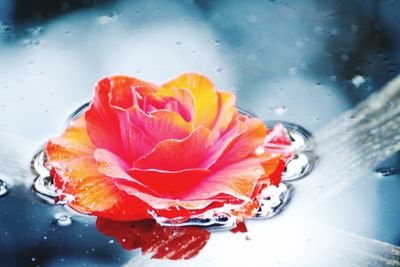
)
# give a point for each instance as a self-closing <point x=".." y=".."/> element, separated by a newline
<point x="174" y="151"/>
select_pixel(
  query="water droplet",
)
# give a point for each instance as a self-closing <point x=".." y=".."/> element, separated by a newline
<point x="384" y="172"/>
<point x="299" y="166"/>
<point x="35" y="31"/>
<point x="279" y="110"/>
<point x="273" y="200"/>
<point x="6" y="30"/>
<point x="315" y="119"/>
<point x="63" y="219"/>
<point x="292" y="71"/>
<point x="218" y="70"/>
<point x="111" y="241"/>
<point x="3" y="188"/>
<point x="358" y="80"/>
<point x="107" y="19"/>
<point x="251" y="19"/>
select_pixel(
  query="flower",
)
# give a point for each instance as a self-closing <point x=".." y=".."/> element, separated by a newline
<point x="174" y="152"/>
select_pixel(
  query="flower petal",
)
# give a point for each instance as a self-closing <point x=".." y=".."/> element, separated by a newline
<point x="169" y="184"/>
<point x="237" y="179"/>
<point x="174" y="243"/>
<point x="205" y="97"/>
<point x="243" y="144"/>
<point x="107" y="125"/>
<point x="73" y="143"/>
<point x="226" y="111"/>
<point x="177" y="155"/>
<point x="77" y="178"/>
<point x="160" y="125"/>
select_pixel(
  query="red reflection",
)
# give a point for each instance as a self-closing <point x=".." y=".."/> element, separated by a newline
<point x="174" y="243"/>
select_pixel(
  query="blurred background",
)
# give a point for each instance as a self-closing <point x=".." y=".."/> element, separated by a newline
<point x="300" y="61"/>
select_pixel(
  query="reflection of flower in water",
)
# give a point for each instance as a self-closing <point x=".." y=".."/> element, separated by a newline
<point x="162" y="242"/>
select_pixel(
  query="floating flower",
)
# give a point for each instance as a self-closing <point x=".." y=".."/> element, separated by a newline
<point x="170" y="153"/>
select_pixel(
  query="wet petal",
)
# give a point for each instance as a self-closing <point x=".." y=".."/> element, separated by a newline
<point x="237" y="179"/>
<point x="177" y="155"/>
<point x="184" y="99"/>
<point x="160" y="125"/>
<point x="107" y="126"/>
<point x="226" y="111"/>
<point x="169" y="184"/>
<point x="174" y="243"/>
<point x="244" y="144"/>
<point x="81" y="184"/>
<point x="71" y="144"/>
<point x="205" y="97"/>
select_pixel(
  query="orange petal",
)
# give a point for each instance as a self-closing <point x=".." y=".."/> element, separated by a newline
<point x="205" y="97"/>
<point x="184" y="98"/>
<point x="244" y="144"/>
<point x="127" y="91"/>
<point x="226" y="111"/>
<point x="177" y="155"/>
<point x="71" y="144"/>
<point x="160" y="125"/>
<point x="237" y="179"/>
<point x="77" y="178"/>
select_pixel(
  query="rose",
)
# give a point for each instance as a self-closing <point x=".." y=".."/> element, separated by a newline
<point x="174" y="151"/>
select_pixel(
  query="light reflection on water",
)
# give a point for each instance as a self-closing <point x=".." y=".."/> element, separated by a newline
<point x="287" y="61"/>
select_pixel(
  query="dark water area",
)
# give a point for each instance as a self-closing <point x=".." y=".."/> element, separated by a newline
<point x="304" y="62"/>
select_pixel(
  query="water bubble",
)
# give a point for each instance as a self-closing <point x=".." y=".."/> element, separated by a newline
<point x="384" y="172"/>
<point x="358" y="80"/>
<point x="3" y="188"/>
<point x="273" y="200"/>
<point x="279" y="110"/>
<point x="63" y="219"/>
<point x="299" y="166"/>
